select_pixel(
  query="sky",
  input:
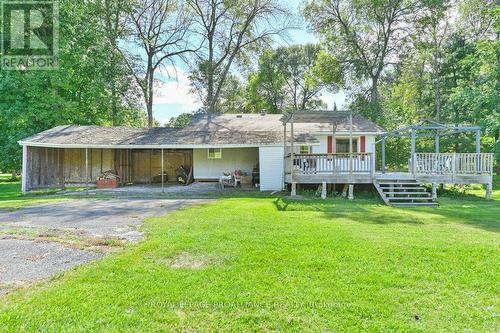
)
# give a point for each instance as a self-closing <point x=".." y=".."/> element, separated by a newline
<point x="173" y="95"/>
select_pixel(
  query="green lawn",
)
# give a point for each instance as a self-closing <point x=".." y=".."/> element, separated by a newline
<point x="12" y="198"/>
<point x="273" y="264"/>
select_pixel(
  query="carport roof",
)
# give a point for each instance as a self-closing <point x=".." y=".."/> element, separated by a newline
<point x="129" y="137"/>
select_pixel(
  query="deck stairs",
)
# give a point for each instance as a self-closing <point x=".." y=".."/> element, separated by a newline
<point x="403" y="192"/>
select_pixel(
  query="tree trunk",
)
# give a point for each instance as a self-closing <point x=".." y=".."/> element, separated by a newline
<point x="14" y="174"/>
<point x="150" y="100"/>
<point x="149" y="90"/>
<point x="375" y="98"/>
<point x="438" y="96"/>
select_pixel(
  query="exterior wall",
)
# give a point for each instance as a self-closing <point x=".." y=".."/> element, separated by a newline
<point x="244" y="159"/>
<point x="271" y="168"/>
<point x="322" y="147"/>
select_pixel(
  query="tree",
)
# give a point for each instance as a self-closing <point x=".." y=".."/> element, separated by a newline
<point x="77" y="93"/>
<point x="159" y="29"/>
<point x="180" y="121"/>
<point x="365" y="36"/>
<point x="292" y="78"/>
<point x="230" y="29"/>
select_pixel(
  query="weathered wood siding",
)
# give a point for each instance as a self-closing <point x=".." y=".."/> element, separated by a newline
<point x="146" y="163"/>
<point x="54" y="167"/>
<point x="45" y="166"/>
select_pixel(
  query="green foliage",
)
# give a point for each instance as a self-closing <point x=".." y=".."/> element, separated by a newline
<point x="79" y="92"/>
<point x="291" y="78"/>
<point x="180" y="121"/>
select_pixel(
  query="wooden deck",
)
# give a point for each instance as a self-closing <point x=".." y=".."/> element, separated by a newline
<point x="359" y="168"/>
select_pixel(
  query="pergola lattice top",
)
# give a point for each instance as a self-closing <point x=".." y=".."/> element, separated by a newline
<point x="314" y="116"/>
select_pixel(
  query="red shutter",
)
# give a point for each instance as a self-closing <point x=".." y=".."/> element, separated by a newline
<point x="329" y="148"/>
<point x="363" y="144"/>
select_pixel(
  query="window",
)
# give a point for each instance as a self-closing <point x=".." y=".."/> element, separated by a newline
<point x="215" y="153"/>
<point x="342" y="145"/>
<point x="305" y="149"/>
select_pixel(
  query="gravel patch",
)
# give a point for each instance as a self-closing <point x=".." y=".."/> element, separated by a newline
<point x="26" y="261"/>
<point x="118" y="218"/>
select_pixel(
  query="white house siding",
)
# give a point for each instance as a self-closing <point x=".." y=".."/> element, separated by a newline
<point x="271" y="168"/>
<point x="322" y="147"/>
<point x="244" y="159"/>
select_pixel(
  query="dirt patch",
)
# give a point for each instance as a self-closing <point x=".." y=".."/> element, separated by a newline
<point x="186" y="260"/>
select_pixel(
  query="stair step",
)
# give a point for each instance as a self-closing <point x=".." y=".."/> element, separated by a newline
<point x="401" y="183"/>
<point x="409" y="204"/>
<point x="409" y="198"/>
<point x="404" y="188"/>
<point x="407" y="193"/>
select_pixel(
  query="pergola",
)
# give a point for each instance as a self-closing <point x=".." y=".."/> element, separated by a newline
<point x="429" y="128"/>
<point x="325" y="117"/>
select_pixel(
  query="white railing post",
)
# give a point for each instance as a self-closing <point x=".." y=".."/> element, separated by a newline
<point x="453" y="166"/>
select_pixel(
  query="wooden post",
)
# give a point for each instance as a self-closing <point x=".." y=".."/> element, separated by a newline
<point x="294" y="189"/>
<point x="24" y="176"/>
<point x="150" y="166"/>
<point x="334" y="129"/>
<point x="350" y="143"/>
<point x="87" y="170"/>
<point x="292" y="157"/>
<point x="434" y="191"/>
<point x="489" y="191"/>
<point x="284" y="157"/>
<point x="436" y="143"/>
<point x="61" y="171"/>
<point x="351" y="192"/>
<point x="383" y="154"/>
<point x="323" y="190"/>
<point x="478" y="151"/>
<point x="162" y="176"/>
<point x="413" y="146"/>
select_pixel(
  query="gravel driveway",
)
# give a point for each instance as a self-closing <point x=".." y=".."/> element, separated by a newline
<point x="26" y="258"/>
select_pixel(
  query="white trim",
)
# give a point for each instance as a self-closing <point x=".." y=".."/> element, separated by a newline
<point x="158" y="146"/>
<point x="24" y="179"/>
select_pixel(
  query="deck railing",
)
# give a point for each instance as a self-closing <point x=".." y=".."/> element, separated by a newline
<point x="342" y="163"/>
<point x="453" y="163"/>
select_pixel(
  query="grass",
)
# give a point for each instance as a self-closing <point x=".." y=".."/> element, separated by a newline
<point x="12" y="198"/>
<point x="274" y="264"/>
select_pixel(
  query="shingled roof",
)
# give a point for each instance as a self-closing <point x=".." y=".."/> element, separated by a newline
<point x="207" y="130"/>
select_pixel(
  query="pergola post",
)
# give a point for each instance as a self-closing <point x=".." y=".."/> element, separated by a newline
<point x="162" y="174"/>
<point x="350" y="143"/>
<point x="383" y="154"/>
<point x="292" y="157"/>
<point x="334" y="129"/>
<point x="284" y="156"/>
<point x="413" y="146"/>
<point x="437" y="143"/>
<point x="478" y="151"/>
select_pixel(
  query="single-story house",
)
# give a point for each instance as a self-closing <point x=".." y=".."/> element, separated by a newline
<point x="212" y="144"/>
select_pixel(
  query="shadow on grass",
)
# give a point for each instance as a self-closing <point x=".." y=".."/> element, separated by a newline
<point x="477" y="213"/>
